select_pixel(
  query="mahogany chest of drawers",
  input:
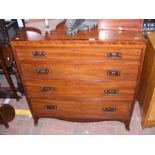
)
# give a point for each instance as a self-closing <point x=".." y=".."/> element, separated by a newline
<point x="92" y="76"/>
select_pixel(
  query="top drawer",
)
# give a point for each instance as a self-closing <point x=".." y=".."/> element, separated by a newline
<point x="85" y="53"/>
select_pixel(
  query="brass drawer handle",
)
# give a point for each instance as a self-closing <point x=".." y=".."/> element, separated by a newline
<point x="113" y="72"/>
<point x="47" y="89"/>
<point x="39" y="54"/>
<point x="111" y="92"/>
<point x="109" y="109"/>
<point x="114" y="55"/>
<point x="42" y="70"/>
<point x="50" y="107"/>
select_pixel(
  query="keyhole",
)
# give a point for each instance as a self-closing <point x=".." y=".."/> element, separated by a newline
<point x="75" y="51"/>
<point x="76" y="67"/>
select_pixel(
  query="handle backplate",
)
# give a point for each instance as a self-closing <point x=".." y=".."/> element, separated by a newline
<point x="114" y="55"/>
<point x="111" y="92"/>
<point x="39" y="54"/>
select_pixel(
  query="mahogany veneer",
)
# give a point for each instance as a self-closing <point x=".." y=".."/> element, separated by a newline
<point x="92" y="76"/>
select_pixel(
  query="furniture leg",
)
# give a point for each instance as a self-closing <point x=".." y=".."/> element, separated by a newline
<point x="35" y="120"/>
<point x="127" y="125"/>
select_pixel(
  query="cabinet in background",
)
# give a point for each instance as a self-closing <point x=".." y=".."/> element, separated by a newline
<point x="147" y="88"/>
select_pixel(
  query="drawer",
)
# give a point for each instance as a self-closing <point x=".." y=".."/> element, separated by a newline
<point x="69" y="54"/>
<point x="80" y="109"/>
<point x="85" y="71"/>
<point x="74" y="89"/>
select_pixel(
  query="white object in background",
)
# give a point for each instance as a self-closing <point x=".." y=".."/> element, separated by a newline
<point x="20" y="23"/>
<point x="7" y="101"/>
<point x="46" y="23"/>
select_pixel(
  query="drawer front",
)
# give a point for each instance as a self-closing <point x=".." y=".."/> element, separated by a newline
<point x="85" y="71"/>
<point x="87" y="53"/>
<point x="80" y="109"/>
<point x="104" y="90"/>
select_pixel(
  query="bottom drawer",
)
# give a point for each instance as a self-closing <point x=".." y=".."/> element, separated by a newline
<point x="80" y="109"/>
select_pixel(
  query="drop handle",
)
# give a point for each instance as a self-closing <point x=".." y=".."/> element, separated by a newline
<point x="39" y="54"/>
<point x="50" y="107"/>
<point x="42" y="70"/>
<point x="114" y="55"/>
<point x="47" y="89"/>
<point x="111" y="92"/>
<point x="113" y="72"/>
<point x="109" y="109"/>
